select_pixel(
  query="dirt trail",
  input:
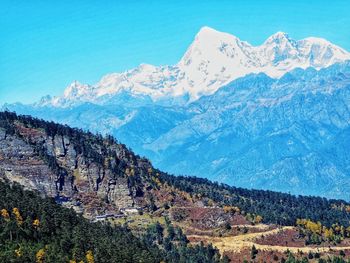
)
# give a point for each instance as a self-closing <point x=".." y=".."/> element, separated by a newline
<point x="236" y="243"/>
<point x="259" y="227"/>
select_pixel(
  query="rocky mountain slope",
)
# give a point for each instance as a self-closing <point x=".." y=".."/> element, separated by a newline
<point x="88" y="171"/>
<point x="96" y="174"/>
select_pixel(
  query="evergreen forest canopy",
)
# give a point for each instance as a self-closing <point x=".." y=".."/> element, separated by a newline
<point x="35" y="229"/>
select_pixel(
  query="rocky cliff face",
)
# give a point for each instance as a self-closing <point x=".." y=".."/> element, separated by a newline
<point x="89" y="173"/>
<point x="91" y="177"/>
<point x="20" y="163"/>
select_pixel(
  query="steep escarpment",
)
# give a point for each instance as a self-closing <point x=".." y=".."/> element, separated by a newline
<point x="91" y="172"/>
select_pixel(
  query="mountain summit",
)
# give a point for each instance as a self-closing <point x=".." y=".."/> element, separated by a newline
<point x="213" y="59"/>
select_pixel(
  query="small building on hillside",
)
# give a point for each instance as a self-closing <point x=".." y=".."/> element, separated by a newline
<point x="104" y="217"/>
<point x="129" y="210"/>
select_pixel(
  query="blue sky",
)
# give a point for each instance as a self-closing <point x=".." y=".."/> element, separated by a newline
<point x="45" y="45"/>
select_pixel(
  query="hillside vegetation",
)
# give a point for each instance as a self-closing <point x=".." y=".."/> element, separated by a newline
<point x="35" y="229"/>
<point x="177" y="219"/>
<point x="110" y="156"/>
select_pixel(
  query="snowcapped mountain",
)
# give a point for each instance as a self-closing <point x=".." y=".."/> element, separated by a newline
<point x="212" y="60"/>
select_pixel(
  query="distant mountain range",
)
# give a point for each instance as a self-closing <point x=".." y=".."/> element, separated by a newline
<point x="275" y="116"/>
<point x="212" y="60"/>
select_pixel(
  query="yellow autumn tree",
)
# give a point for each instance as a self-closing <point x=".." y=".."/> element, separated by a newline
<point x="227" y="209"/>
<point x="90" y="257"/>
<point x="258" y="219"/>
<point x="18" y="216"/>
<point x="36" y="223"/>
<point x="328" y="234"/>
<point x="301" y="222"/>
<point x="231" y="209"/>
<point x="5" y="215"/>
<point x="315" y="228"/>
<point x="40" y="256"/>
<point x="18" y="252"/>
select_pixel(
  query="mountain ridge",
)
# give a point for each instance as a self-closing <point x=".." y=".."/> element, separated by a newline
<point x="212" y="60"/>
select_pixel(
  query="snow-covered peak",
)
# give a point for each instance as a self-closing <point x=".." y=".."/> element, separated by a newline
<point x="212" y="60"/>
<point x="207" y="43"/>
<point x="206" y="34"/>
<point x="207" y="29"/>
<point x="317" y="41"/>
<point x="321" y="53"/>
<point x="76" y="90"/>
<point x="279" y="43"/>
<point x="45" y="100"/>
<point x="277" y="38"/>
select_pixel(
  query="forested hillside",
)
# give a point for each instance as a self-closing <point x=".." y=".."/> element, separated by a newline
<point x="274" y="207"/>
<point x="35" y="229"/>
<point x="108" y="158"/>
<point x="146" y="214"/>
